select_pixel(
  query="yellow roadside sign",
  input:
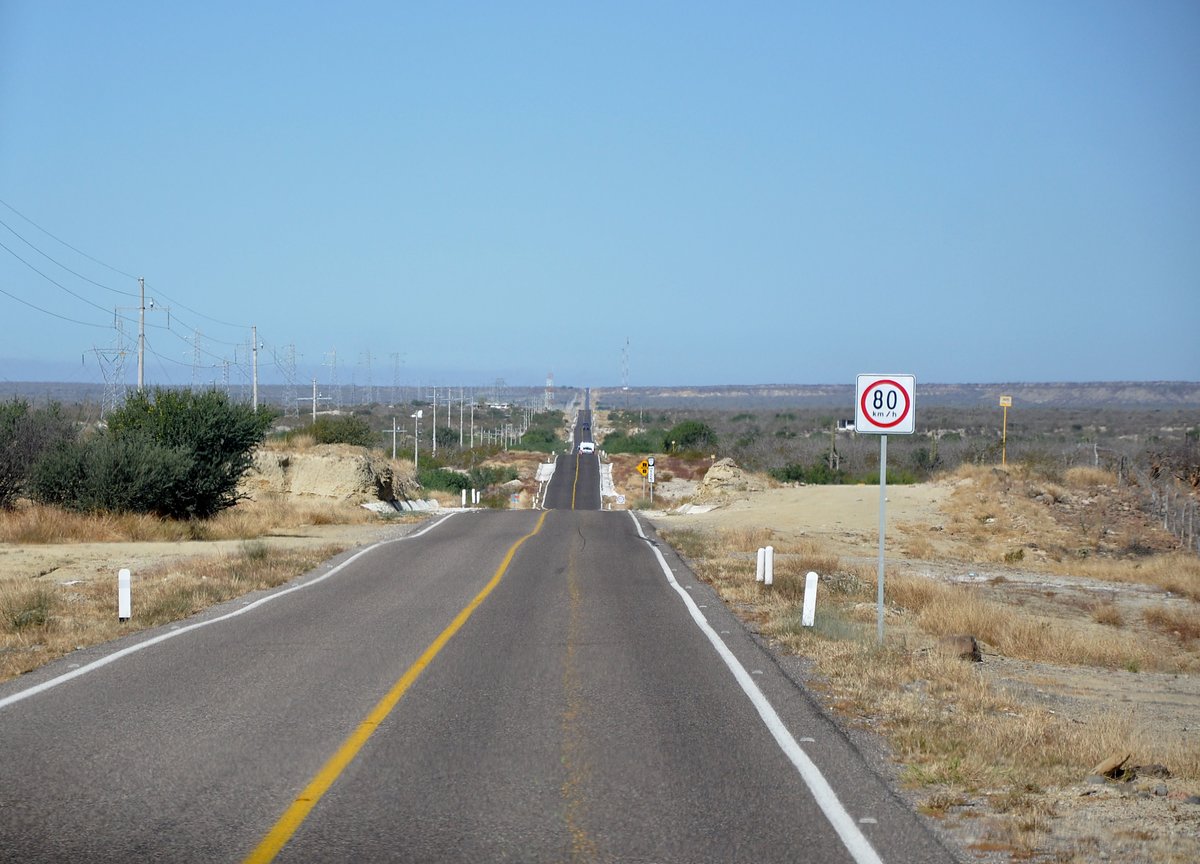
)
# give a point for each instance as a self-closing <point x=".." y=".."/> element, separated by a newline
<point x="1005" y="401"/>
<point x="643" y="467"/>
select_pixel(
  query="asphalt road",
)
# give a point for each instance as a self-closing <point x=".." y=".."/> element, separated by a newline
<point x="576" y="481"/>
<point x="506" y="686"/>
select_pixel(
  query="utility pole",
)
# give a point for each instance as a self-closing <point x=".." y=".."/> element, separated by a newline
<point x="142" y="335"/>
<point x="416" y="438"/>
<point x="254" y="367"/>
<point x="434" y="423"/>
<point x="461" y="399"/>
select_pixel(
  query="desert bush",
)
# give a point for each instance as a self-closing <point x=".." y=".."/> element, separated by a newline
<point x="538" y="440"/>
<point x="444" y="479"/>
<point x="128" y="474"/>
<point x="217" y="436"/>
<point x="25" y="436"/>
<point x="346" y="429"/>
<point x="818" y="472"/>
<point x="690" y="435"/>
<point x="645" y="442"/>
<point x="542" y="436"/>
<point x="177" y="454"/>
<point x="26" y="608"/>
<point x="484" y="476"/>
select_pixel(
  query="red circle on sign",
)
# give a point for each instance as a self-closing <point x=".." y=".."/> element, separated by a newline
<point x="907" y="403"/>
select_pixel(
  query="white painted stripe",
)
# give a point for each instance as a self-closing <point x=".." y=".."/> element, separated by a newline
<point x="851" y="836"/>
<point x="163" y="637"/>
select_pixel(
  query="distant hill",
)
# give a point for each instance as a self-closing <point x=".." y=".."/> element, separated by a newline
<point x="1091" y="394"/>
<point x="1144" y="395"/>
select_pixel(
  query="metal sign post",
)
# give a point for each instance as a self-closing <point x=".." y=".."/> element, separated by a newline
<point x="650" y="477"/>
<point x="884" y="405"/>
<point x="1005" y="403"/>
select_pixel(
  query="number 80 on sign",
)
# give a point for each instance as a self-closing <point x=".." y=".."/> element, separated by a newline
<point x="883" y="404"/>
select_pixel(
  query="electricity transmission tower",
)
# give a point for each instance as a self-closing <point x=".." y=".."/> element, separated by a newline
<point x="287" y="365"/>
<point x="366" y="359"/>
<point x="331" y="362"/>
<point x="196" y="360"/>
<point x="396" y="360"/>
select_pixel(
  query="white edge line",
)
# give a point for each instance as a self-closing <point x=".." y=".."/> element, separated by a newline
<point x="852" y="838"/>
<point x="163" y="637"/>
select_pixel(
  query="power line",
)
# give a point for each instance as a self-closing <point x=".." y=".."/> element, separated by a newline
<point x="52" y="281"/>
<point x="53" y="314"/>
<point x="205" y="317"/>
<point x="64" y="266"/>
<point x="101" y="263"/>
<point x="64" y="242"/>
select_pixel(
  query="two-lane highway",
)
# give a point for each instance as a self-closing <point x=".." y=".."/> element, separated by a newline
<point x="576" y="481"/>
<point x="514" y="686"/>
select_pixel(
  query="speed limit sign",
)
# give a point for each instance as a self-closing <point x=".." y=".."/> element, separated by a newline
<point x="883" y="404"/>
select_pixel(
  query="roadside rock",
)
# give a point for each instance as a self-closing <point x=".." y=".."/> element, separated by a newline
<point x="963" y="646"/>
<point x="335" y="471"/>
<point x="1111" y="767"/>
<point x="725" y="481"/>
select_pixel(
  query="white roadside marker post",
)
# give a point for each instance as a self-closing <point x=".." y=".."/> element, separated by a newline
<point x="762" y="564"/>
<point x="124" y="602"/>
<point x="769" y="575"/>
<point x="463" y="501"/>
<point x="809" y="616"/>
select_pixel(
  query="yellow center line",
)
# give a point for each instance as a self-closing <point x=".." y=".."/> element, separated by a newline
<point x="295" y="815"/>
<point x="574" y="759"/>
<point x="576" y="483"/>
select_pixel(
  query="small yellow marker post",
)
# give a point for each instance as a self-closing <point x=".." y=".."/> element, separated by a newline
<point x="1005" y="403"/>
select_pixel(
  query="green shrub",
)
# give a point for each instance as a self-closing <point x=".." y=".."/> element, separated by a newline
<point x="485" y="476"/>
<point x="345" y="429"/>
<point x="649" y="441"/>
<point x="130" y="473"/>
<point x="538" y="440"/>
<point x="26" y="435"/>
<point x="443" y="479"/>
<point x="175" y="453"/>
<point x="690" y="435"/>
<point x="819" y="473"/>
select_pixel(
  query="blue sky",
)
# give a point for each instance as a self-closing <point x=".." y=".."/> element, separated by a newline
<point x="748" y="193"/>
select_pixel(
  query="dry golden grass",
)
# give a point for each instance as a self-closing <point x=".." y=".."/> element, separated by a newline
<point x="952" y="728"/>
<point x="1180" y="623"/>
<point x="941" y="610"/>
<point x="297" y="441"/>
<point x="39" y="623"/>
<point x="1177" y="572"/>
<point x="39" y="524"/>
<point x="1084" y="477"/>
<point x="1108" y="613"/>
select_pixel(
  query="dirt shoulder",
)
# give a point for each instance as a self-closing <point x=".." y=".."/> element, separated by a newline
<point x="70" y="563"/>
<point x="1152" y="819"/>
